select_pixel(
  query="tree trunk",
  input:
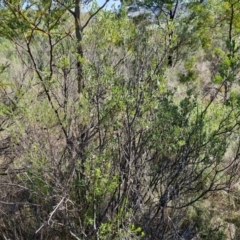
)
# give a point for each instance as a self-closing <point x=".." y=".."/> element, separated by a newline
<point x="78" y="30"/>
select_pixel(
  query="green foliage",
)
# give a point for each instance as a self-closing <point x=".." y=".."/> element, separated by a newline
<point x="126" y="155"/>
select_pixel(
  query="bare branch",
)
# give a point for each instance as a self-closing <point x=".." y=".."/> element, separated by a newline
<point x="94" y="14"/>
<point x="55" y="209"/>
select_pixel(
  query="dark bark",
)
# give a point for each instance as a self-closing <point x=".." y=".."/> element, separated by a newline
<point x="78" y="31"/>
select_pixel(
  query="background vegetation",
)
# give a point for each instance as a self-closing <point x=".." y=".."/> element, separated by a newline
<point x="119" y="128"/>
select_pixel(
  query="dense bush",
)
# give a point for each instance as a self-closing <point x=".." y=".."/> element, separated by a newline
<point x="108" y="135"/>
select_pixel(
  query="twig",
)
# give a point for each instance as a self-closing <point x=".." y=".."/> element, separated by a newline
<point x="94" y="14"/>
<point x="74" y="235"/>
<point x="50" y="217"/>
<point x="40" y="229"/>
<point x="13" y="185"/>
<point x="55" y="209"/>
<point x="19" y="203"/>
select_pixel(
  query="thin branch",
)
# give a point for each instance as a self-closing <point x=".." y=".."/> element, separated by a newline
<point x="19" y="203"/>
<point x="55" y="209"/>
<point x="74" y="235"/>
<point x="39" y="229"/>
<point x="14" y="185"/>
<point x="66" y="8"/>
<point x="94" y="14"/>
